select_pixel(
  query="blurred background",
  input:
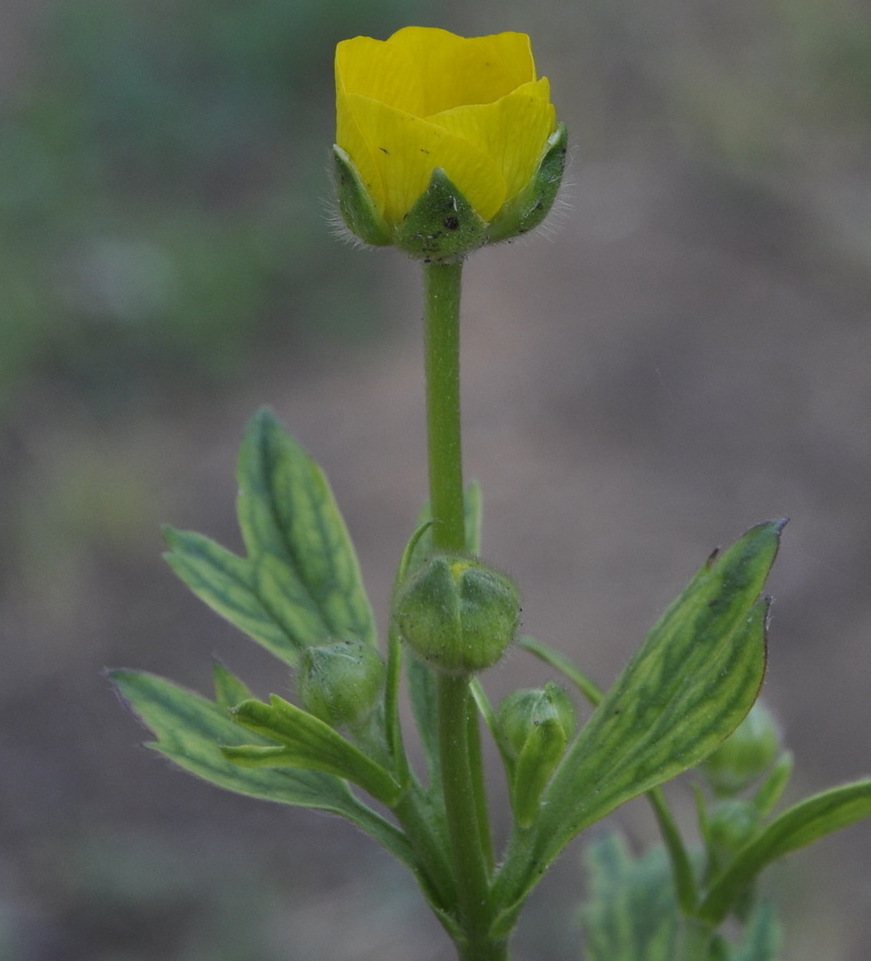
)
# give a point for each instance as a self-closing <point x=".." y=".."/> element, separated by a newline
<point x="682" y="353"/>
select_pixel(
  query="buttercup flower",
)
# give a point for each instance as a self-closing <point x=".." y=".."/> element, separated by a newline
<point x="442" y="142"/>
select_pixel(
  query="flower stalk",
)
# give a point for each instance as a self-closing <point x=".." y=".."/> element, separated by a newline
<point x="459" y="749"/>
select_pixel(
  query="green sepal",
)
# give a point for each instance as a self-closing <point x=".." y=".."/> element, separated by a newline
<point x="308" y="743"/>
<point x="688" y="687"/>
<point x="532" y="728"/>
<point x="540" y="755"/>
<point x="442" y="225"/>
<point x="357" y="210"/>
<point x="798" y="826"/>
<point x="190" y="730"/>
<point x="528" y="208"/>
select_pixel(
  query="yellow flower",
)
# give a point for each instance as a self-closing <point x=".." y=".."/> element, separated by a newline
<point x="425" y="101"/>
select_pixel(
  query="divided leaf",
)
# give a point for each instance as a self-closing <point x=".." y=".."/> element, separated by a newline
<point x="300" y="583"/>
<point x="226" y="583"/>
<point x="190" y="730"/>
<point x="286" y="509"/>
<point x="688" y="687"/>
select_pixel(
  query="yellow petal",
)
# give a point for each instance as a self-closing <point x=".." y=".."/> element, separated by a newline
<point x="451" y="71"/>
<point x="512" y="131"/>
<point x="396" y="154"/>
<point x="380" y="71"/>
<point x="425" y="70"/>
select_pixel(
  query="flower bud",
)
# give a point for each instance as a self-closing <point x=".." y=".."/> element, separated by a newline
<point x="457" y="614"/>
<point x="521" y="712"/>
<point x="443" y="143"/>
<point x="340" y="682"/>
<point x="731" y="825"/>
<point x="533" y="728"/>
<point x="745" y="754"/>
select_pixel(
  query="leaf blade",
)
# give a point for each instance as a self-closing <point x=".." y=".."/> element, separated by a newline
<point x="190" y="730"/>
<point x="799" y="825"/>
<point x="670" y="707"/>
<point x="225" y="582"/>
<point x="286" y="508"/>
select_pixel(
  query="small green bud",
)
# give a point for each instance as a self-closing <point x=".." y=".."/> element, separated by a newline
<point x="533" y="727"/>
<point x="745" y="754"/>
<point x="521" y="712"/>
<point x="457" y="614"/>
<point x="731" y="825"/>
<point x="340" y="682"/>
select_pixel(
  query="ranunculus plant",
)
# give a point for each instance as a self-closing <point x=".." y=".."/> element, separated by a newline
<point x="444" y="144"/>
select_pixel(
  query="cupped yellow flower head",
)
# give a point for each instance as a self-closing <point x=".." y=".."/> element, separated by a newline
<point x="465" y="119"/>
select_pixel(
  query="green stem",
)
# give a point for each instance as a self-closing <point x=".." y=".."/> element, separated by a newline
<point x="459" y="752"/>
<point x="469" y="851"/>
<point x="694" y="942"/>
<point x="442" y="299"/>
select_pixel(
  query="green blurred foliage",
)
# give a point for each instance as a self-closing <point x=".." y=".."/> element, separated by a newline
<point x="163" y="186"/>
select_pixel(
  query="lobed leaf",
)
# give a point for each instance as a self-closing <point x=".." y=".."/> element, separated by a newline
<point x="229" y="689"/>
<point x="300" y="583"/>
<point x="688" y="687"/>
<point x="190" y="730"/>
<point x="287" y="512"/>
<point x="227" y="584"/>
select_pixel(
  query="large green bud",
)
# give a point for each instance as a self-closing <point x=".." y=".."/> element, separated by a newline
<point x="341" y="682"/>
<point x="457" y="614"/>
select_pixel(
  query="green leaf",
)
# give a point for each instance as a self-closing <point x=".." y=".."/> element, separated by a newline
<point x="296" y="538"/>
<point x="229" y="689"/>
<point x="632" y="913"/>
<point x="190" y="731"/>
<point x="309" y="743"/>
<point x="771" y="789"/>
<point x="227" y="584"/>
<point x="761" y="939"/>
<point x="799" y="825"/>
<point x="688" y="687"/>
<point x="423" y="694"/>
